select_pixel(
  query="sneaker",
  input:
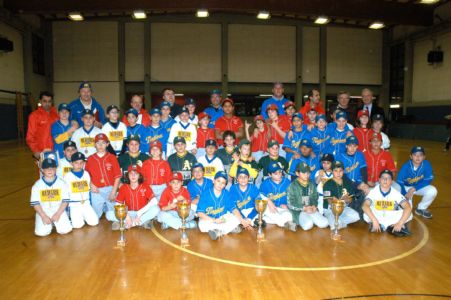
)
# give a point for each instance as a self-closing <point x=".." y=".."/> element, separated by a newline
<point x="237" y="229"/>
<point x="291" y="226"/>
<point x="164" y="226"/>
<point x="403" y="232"/>
<point x="115" y="226"/>
<point x="191" y="225"/>
<point x="147" y="224"/>
<point x="424" y="213"/>
<point x="214" y="234"/>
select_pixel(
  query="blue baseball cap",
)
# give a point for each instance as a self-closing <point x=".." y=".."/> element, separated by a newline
<point x="84" y="84"/>
<point x="297" y="115"/>
<point x="190" y="101"/>
<point x="198" y="165"/>
<point x="327" y="157"/>
<point x="215" y="92"/>
<point x="87" y="112"/>
<point x="132" y="111"/>
<point x="179" y="139"/>
<point x="69" y="144"/>
<point x="242" y="171"/>
<point x="77" y="156"/>
<point x="48" y="163"/>
<point x="352" y="140"/>
<point x="341" y="114"/>
<point x="165" y="103"/>
<point x="320" y="117"/>
<point x="221" y="174"/>
<point x="63" y="106"/>
<point x="210" y="142"/>
<point x="184" y="110"/>
<point x="111" y="107"/>
<point x="274" y="167"/>
<point x="416" y="149"/>
<point x="155" y="110"/>
<point x="305" y="143"/>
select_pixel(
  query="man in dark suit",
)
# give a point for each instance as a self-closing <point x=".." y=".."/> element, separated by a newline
<point x="169" y="95"/>
<point x="373" y="109"/>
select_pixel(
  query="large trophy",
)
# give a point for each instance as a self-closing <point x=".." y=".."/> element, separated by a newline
<point x="260" y="206"/>
<point x="337" y="206"/>
<point x="183" y="209"/>
<point x="120" y="211"/>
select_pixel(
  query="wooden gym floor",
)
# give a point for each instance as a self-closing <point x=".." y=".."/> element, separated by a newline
<point x="86" y="264"/>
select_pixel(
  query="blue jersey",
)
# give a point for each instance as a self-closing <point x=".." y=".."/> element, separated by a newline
<point x="418" y="178"/>
<point x="337" y="142"/>
<point x="275" y="101"/>
<point x="214" y="113"/>
<point x="353" y="165"/>
<point x="246" y="199"/>
<point x="167" y="125"/>
<point x="320" y="140"/>
<point x="276" y="192"/>
<point x="295" y="140"/>
<point x="143" y="134"/>
<point x="214" y="206"/>
<point x="196" y="190"/>
<point x="77" y="108"/>
<point x="57" y="129"/>
<point x="156" y="134"/>
<point x="312" y="162"/>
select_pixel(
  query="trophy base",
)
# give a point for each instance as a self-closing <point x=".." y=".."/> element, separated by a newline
<point x="184" y="242"/>
<point x="120" y="243"/>
<point x="260" y="238"/>
<point x="336" y="236"/>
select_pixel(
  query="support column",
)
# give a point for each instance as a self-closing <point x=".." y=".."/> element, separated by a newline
<point x="408" y="75"/>
<point x="147" y="65"/>
<point x="323" y="62"/>
<point x="299" y="57"/>
<point x="224" y="59"/>
<point x="121" y="63"/>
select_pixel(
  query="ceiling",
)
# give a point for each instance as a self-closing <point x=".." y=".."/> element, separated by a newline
<point x="352" y="12"/>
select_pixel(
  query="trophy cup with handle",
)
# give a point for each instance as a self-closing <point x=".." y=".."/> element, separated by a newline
<point x="337" y="207"/>
<point x="183" y="209"/>
<point x="260" y="206"/>
<point x="120" y="211"/>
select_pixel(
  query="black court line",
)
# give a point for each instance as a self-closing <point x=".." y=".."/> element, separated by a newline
<point x="390" y="295"/>
<point x="15" y="191"/>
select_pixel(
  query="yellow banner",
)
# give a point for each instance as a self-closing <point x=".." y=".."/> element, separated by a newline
<point x="51" y="195"/>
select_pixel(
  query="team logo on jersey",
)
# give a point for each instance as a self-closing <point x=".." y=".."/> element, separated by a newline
<point x="351" y="168"/>
<point x="108" y="166"/>
<point x="66" y="170"/>
<point x="50" y="195"/>
<point x="80" y="186"/>
<point x="243" y="203"/>
<point x="143" y="192"/>
<point x="211" y="211"/>
<point x="185" y="134"/>
<point x="116" y="135"/>
<point x="86" y="142"/>
<point x="384" y="205"/>
<point x="186" y="165"/>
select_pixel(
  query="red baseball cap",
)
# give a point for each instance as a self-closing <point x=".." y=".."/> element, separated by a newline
<point x="362" y="112"/>
<point x="157" y="144"/>
<point x="376" y="135"/>
<point x="259" y="117"/>
<point x="176" y="176"/>
<point x="227" y="100"/>
<point x="288" y="104"/>
<point x="101" y="137"/>
<point x="135" y="168"/>
<point x="203" y="115"/>
<point x="272" y="107"/>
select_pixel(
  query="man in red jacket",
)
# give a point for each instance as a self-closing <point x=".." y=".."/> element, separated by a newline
<point x="39" y="137"/>
<point x="313" y="103"/>
<point x="137" y="102"/>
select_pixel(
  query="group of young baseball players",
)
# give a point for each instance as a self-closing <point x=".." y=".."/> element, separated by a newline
<point x="299" y="161"/>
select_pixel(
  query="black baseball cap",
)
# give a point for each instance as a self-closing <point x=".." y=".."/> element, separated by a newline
<point x="77" y="156"/>
<point x="69" y="144"/>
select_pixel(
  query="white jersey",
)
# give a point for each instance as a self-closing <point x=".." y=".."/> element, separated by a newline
<point x="85" y="140"/>
<point x="385" y="141"/>
<point x="116" y="135"/>
<point x="63" y="168"/>
<point x="211" y="166"/>
<point x="188" y="131"/>
<point x="326" y="176"/>
<point x="385" y="202"/>
<point x="78" y="186"/>
<point x="49" y="194"/>
<point x="193" y="120"/>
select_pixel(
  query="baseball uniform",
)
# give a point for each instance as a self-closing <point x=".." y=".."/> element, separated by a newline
<point x="84" y="139"/>
<point x="116" y="133"/>
<point x="277" y="192"/>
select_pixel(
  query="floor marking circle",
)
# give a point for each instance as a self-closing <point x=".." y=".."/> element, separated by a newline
<point x="420" y="245"/>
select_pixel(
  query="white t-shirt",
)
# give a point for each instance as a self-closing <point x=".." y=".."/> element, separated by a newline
<point x="78" y="186"/>
<point x="85" y="140"/>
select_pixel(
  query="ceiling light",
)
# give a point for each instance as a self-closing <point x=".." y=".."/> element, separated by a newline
<point x="377" y="25"/>
<point x="202" y="13"/>
<point x="428" y="1"/>
<point x="322" y="20"/>
<point x="263" y="15"/>
<point x="75" y="16"/>
<point x="395" y="106"/>
<point x="139" y="14"/>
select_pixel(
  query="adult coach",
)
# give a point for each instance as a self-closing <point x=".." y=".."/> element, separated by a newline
<point x="39" y="137"/>
<point x="215" y="109"/>
<point x="372" y="108"/>
<point x="86" y="101"/>
<point x="137" y="103"/>
<point x="169" y="96"/>
<point x="342" y="104"/>
<point x="229" y="122"/>
<point x="314" y="103"/>
<point x="277" y="99"/>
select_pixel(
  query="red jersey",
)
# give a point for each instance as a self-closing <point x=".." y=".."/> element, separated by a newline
<point x="135" y="199"/>
<point x="146" y="120"/>
<point x="39" y="135"/>
<point x="156" y="172"/>
<point x="260" y="143"/>
<point x="289" y="119"/>
<point x="103" y="170"/>
<point x="363" y="136"/>
<point x="233" y="124"/>
<point x="305" y="109"/>
<point x="376" y="163"/>
<point x="284" y="125"/>
<point x="203" y="135"/>
<point x="169" y="196"/>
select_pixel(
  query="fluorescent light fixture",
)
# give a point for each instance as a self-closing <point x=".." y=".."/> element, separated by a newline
<point x="322" y="20"/>
<point x="263" y="15"/>
<point x="179" y="95"/>
<point x="139" y="14"/>
<point x="265" y="95"/>
<point x="202" y="13"/>
<point x="75" y="16"/>
<point x="229" y="95"/>
<point x="395" y="105"/>
<point x="377" y="25"/>
<point x="428" y="1"/>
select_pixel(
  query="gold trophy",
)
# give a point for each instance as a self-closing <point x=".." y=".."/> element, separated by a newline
<point x="183" y="209"/>
<point x="337" y="206"/>
<point x="260" y="206"/>
<point x="120" y="211"/>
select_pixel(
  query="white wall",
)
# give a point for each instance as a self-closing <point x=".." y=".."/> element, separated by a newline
<point x="431" y="83"/>
<point x="11" y="63"/>
<point x="262" y="53"/>
<point x="310" y="52"/>
<point x="354" y="56"/>
<point x="186" y="52"/>
<point x="134" y="51"/>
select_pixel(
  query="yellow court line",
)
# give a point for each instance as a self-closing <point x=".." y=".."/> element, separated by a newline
<point x="420" y="245"/>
